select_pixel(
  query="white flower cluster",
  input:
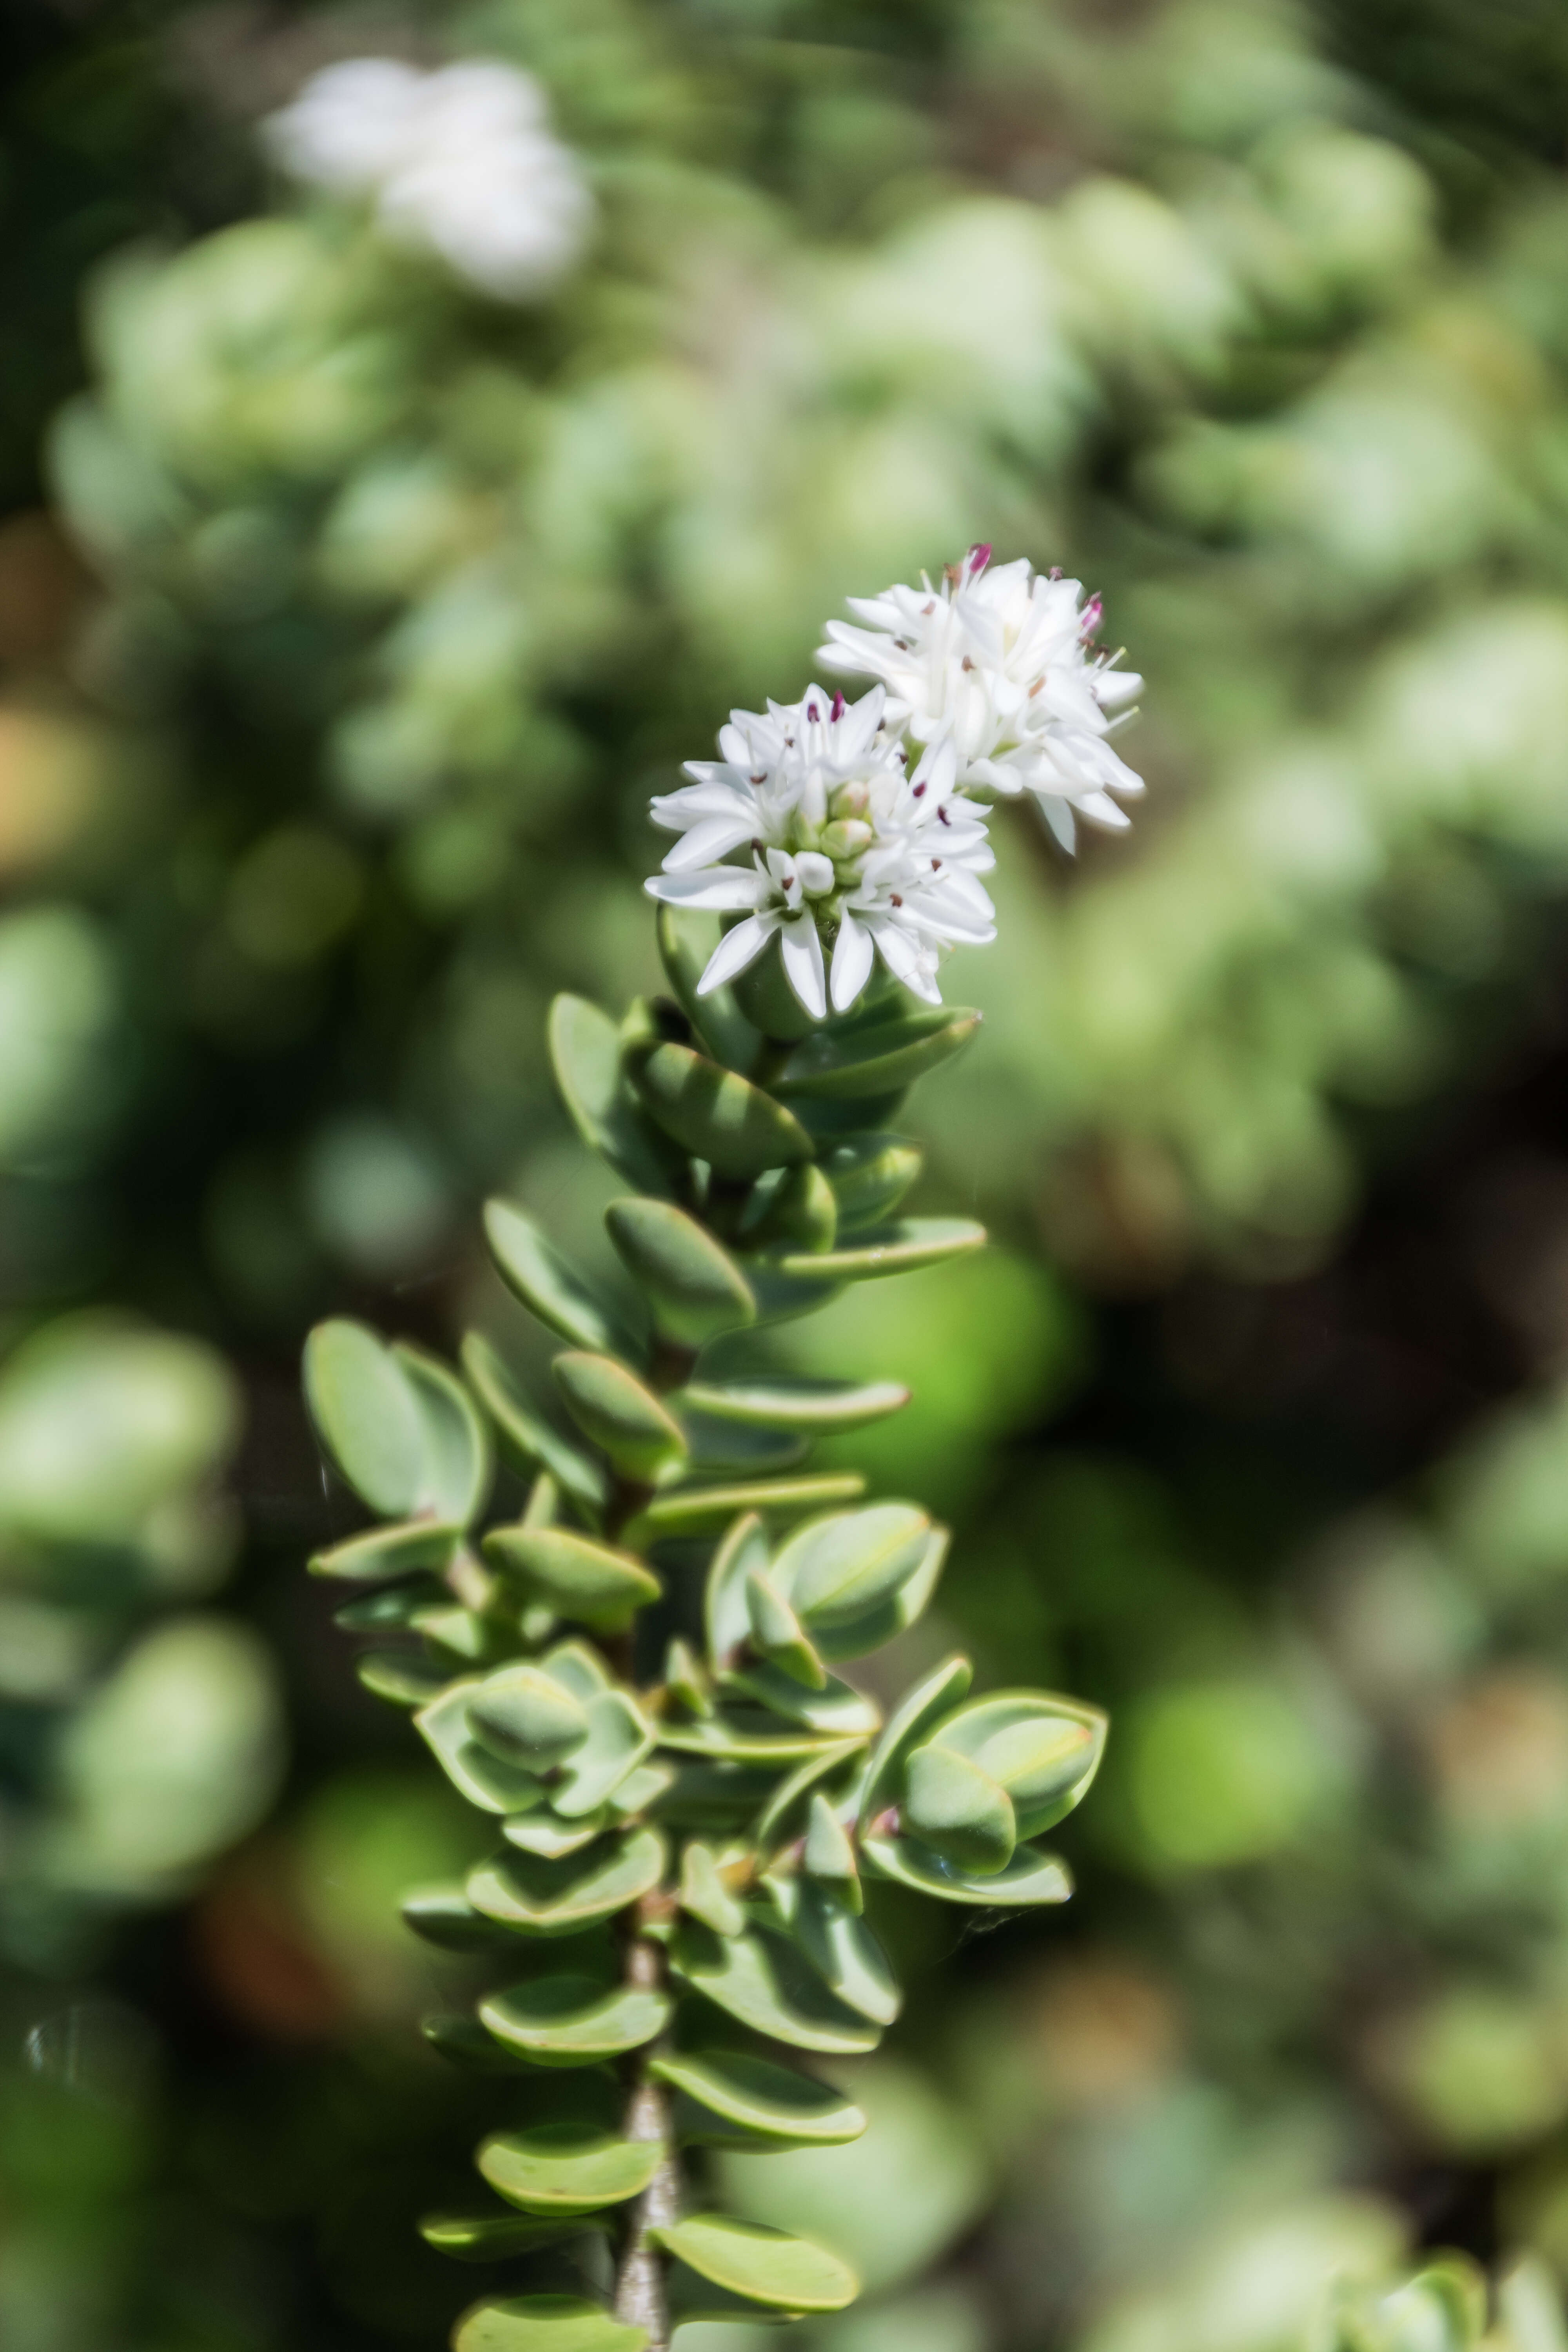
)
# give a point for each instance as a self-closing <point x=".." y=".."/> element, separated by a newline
<point x="813" y="827"/>
<point x="461" y="161"/>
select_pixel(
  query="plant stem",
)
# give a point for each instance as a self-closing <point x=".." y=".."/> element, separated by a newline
<point x="640" y="2299"/>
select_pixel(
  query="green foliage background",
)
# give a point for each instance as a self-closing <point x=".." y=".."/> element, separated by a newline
<point x="346" y="624"/>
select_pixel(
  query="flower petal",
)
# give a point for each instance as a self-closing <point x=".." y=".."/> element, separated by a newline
<point x="853" y="957"/>
<point x="736" y="950"/>
<point x="802" y="966"/>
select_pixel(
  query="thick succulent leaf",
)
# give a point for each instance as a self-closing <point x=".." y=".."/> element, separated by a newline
<point x="901" y="1248"/>
<point x="790" y="1209"/>
<point x="869" y="1175"/>
<point x="789" y="1805"/>
<point x="494" y="2237"/>
<point x="459" y="2037"/>
<point x="718" y="1019"/>
<point x="855" y="1636"/>
<point x="459" y="1458"/>
<point x="585" y="1055"/>
<point x="712" y="1798"/>
<point x="760" y="2096"/>
<point x="567" y="2167"/>
<point x="474" y="1772"/>
<point x="394" y="1608"/>
<point x="829" y="1851"/>
<point x="551" y="1287"/>
<point x="643" y="1786"/>
<point x="400" y="1677"/>
<point x="736" y="1449"/>
<point x="841" y="1947"/>
<point x="836" y="1711"/>
<point x="726" y="1619"/>
<point x="591" y="1582"/>
<point x="764" y="1983"/>
<point x="618" y="1738"/>
<point x="381" y="1553"/>
<point x="542" y="1897"/>
<point x="777" y="1633"/>
<point x="880" y="1057"/>
<point x="718" y="1116"/>
<point x="544" y="2323"/>
<point x="694" y="1286"/>
<point x="525" y="1716"/>
<point x="547" y="1834"/>
<point x="531" y="1441"/>
<point x="366" y="1415"/>
<point x="574" y="2021"/>
<point x="782" y="1297"/>
<point x="704" y="1894"/>
<point x="741" y="1735"/>
<point x="1031" y="1877"/>
<point x="952" y="1804"/>
<point x="765" y="2266"/>
<point x="834" y="1570"/>
<point x="1042" y="1749"/>
<point x="444" y="1915"/>
<point x="693" y="1511"/>
<point x="470" y="1637"/>
<point x="610" y="1405"/>
<point x="915" y="1717"/>
<point x="826" y="1407"/>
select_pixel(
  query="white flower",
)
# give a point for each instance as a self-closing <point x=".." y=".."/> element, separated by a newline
<point x="841" y="843"/>
<point x="461" y="160"/>
<point x="999" y="663"/>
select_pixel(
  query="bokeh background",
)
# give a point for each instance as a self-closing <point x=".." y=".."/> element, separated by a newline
<point x="347" y="619"/>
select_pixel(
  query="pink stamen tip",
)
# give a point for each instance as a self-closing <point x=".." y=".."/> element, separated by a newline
<point x="979" y="556"/>
<point x="1092" y="613"/>
<point x="837" y="709"/>
<point x="812" y="712"/>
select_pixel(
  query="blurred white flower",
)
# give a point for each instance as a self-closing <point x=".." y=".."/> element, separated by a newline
<point x="461" y="160"/>
<point x="1000" y="663"/>
<point x="843" y="846"/>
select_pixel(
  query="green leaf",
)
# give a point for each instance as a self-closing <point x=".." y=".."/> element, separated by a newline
<point x="459" y="1459"/>
<point x="718" y="1019"/>
<point x="544" y="2323"/>
<point x="544" y="1833"/>
<point x="474" y="1772"/>
<point x="764" y="1983"/>
<point x="790" y="1802"/>
<point x="574" y="2021"/>
<point x="776" y="1633"/>
<point x="463" y="2042"/>
<point x="704" y="1894"/>
<point x="642" y="1787"/>
<point x="841" y="1947"/>
<point x="493" y="2236"/>
<point x="692" y="1511"/>
<point x="853" y="1637"/>
<point x="567" y="2167"/>
<point x="879" y="1059"/>
<point x="385" y="1552"/>
<point x="765" y="2266"/>
<point x="695" y="1287"/>
<point x="917" y="1714"/>
<point x="760" y="2097"/>
<point x="736" y="1448"/>
<point x="830" y="1852"/>
<point x="790" y="1208"/>
<point x="585" y="1056"/>
<point x="782" y="1296"/>
<point x="444" y="1915"/>
<point x="835" y="1570"/>
<point x="550" y="1286"/>
<point x="610" y="1405"/>
<point x="1030" y="1878"/>
<point x="531" y="1443"/>
<point x="540" y="1897"/>
<point x="825" y="1407"/>
<point x="618" y="1738"/>
<point x="366" y="1415"/>
<point x="869" y="1175"/>
<point x="524" y="1715"/>
<point x="393" y="1608"/>
<point x="400" y="1677"/>
<point x="741" y="1735"/>
<point x="726" y="1619"/>
<point x="1043" y="1751"/>
<point x="952" y="1805"/>
<point x="718" y="1116"/>
<point x="581" y="1578"/>
<point x="899" y="1248"/>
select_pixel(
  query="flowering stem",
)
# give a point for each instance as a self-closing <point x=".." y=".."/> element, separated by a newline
<point x="640" y="2296"/>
